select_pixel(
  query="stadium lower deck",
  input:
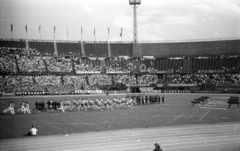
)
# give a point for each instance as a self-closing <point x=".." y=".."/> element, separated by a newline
<point x="174" y="125"/>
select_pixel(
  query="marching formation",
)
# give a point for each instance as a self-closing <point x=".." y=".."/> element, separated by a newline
<point x="85" y="104"/>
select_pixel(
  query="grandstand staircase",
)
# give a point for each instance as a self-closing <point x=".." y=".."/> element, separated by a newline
<point x="215" y="105"/>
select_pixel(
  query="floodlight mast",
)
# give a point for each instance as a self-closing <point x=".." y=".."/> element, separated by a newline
<point x="135" y="4"/>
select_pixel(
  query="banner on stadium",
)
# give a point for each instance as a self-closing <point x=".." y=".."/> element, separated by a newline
<point x="176" y="91"/>
<point x="207" y="92"/>
<point x="227" y="85"/>
<point x="131" y="85"/>
<point x="118" y="72"/>
<point x="30" y="93"/>
<point x="146" y="88"/>
<point x="88" y="91"/>
<point x="9" y="94"/>
<point x="159" y="85"/>
<point x="182" y="85"/>
<point x="124" y="91"/>
<point x="88" y="72"/>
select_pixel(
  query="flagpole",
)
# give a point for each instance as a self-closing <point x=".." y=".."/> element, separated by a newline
<point x="81" y="33"/>
<point x="54" y="33"/>
<point x="121" y="34"/>
<point x="26" y="31"/>
<point x="11" y="31"/>
<point x="67" y="34"/>
<point x="39" y="30"/>
<point x="94" y="35"/>
<point x="108" y="33"/>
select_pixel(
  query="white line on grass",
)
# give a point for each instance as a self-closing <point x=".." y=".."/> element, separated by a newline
<point x="203" y="115"/>
<point x="191" y="115"/>
<point x="176" y="118"/>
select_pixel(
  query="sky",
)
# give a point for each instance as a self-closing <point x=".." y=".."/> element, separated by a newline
<point x="158" y="20"/>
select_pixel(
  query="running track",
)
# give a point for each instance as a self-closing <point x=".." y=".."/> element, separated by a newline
<point x="213" y="137"/>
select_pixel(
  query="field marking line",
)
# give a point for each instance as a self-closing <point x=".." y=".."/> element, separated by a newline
<point x="168" y="132"/>
<point x="176" y="118"/>
<point x="214" y="108"/>
<point x="203" y="115"/>
<point x="191" y="115"/>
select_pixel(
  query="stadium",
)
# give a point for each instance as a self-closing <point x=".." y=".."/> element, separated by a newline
<point x="119" y="95"/>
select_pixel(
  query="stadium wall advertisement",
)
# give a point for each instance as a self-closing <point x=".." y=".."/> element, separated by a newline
<point x="143" y="90"/>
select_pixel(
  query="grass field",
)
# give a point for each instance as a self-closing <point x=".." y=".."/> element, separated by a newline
<point x="176" y="111"/>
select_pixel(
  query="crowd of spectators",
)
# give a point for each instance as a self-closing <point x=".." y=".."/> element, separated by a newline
<point x="31" y="61"/>
<point x="67" y="83"/>
<point x="7" y="64"/>
<point x="59" y="64"/>
<point x="30" y="64"/>
<point x="204" y="79"/>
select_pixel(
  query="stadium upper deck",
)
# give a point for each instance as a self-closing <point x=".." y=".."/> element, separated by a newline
<point x="209" y="47"/>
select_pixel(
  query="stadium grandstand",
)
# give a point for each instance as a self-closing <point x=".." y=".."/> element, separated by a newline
<point x="39" y="66"/>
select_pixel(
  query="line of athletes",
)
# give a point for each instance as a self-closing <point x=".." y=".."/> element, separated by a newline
<point x="86" y="104"/>
<point x="25" y="108"/>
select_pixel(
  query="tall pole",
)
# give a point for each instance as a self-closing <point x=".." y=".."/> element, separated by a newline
<point x="135" y="4"/>
<point x="26" y="31"/>
<point x="39" y="30"/>
<point x="11" y="31"/>
<point x="81" y="33"/>
<point x="135" y="32"/>
<point x="54" y="32"/>
<point x="67" y="33"/>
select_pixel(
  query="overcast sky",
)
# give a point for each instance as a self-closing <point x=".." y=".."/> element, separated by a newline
<point x="157" y="19"/>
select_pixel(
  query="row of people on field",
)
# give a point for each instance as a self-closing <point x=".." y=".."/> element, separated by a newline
<point x="87" y="104"/>
<point x="84" y="104"/>
<point x="25" y="108"/>
<point x="143" y="99"/>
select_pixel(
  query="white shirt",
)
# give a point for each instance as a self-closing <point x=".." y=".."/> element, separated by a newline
<point x="33" y="131"/>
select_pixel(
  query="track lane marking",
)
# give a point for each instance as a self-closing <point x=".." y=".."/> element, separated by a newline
<point x="128" y="144"/>
<point x="131" y="142"/>
<point x="164" y="131"/>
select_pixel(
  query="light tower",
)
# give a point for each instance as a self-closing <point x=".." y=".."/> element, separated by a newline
<point x="135" y="4"/>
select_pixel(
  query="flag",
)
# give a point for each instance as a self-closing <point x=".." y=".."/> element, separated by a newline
<point x="81" y="30"/>
<point x="54" y="29"/>
<point x="39" y="29"/>
<point x="94" y="31"/>
<point x="11" y="27"/>
<point x="121" y="32"/>
<point x="26" y="28"/>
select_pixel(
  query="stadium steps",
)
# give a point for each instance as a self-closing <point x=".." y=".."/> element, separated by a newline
<point x="216" y="105"/>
